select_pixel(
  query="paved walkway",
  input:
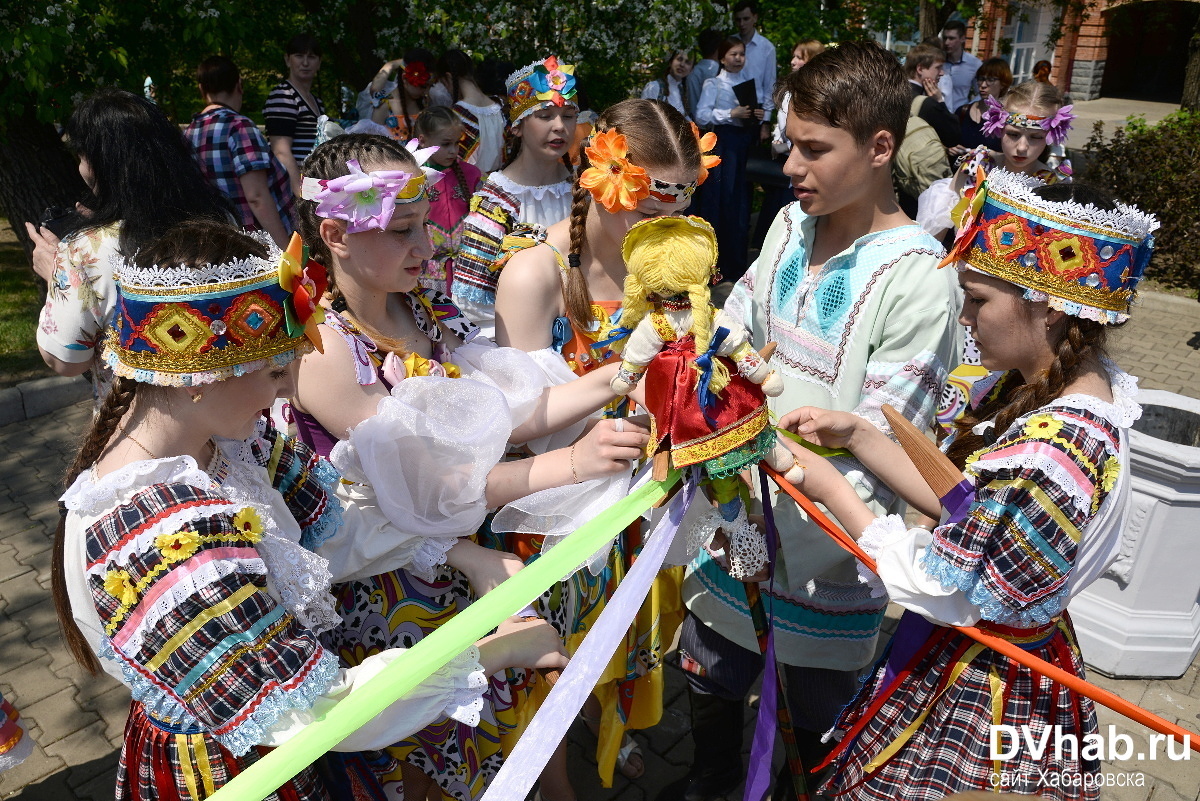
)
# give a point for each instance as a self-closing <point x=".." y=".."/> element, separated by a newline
<point x="1112" y="112"/>
<point x="77" y="720"/>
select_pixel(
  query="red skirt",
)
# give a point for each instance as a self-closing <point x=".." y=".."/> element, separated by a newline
<point x="163" y="765"/>
<point x="678" y="423"/>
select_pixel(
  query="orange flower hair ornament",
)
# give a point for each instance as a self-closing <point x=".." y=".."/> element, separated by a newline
<point x="614" y="182"/>
<point x="707" y="159"/>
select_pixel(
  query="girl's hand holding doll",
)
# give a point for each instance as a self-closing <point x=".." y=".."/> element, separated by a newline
<point x="607" y="449"/>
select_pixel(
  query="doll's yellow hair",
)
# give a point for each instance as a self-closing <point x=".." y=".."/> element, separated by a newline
<point x="668" y="256"/>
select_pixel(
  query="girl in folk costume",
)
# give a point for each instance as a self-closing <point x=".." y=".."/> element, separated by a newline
<point x="1030" y="120"/>
<point x="533" y="188"/>
<point x="559" y="297"/>
<point x="449" y="199"/>
<point x="386" y="387"/>
<point x="184" y="556"/>
<point x="395" y="104"/>
<point x="1045" y="271"/>
<point x="482" y="143"/>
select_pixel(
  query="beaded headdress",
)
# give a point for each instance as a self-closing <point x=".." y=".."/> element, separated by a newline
<point x="542" y="83"/>
<point x="178" y="325"/>
<point x="1056" y="126"/>
<point x="1080" y="259"/>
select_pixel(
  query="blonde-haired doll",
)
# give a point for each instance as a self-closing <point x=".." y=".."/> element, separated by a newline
<point x="706" y="386"/>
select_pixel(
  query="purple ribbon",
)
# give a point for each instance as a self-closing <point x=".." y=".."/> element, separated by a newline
<point x="758" y="779"/>
<point x="913" y="630"/>
<point x="548" y="727"/>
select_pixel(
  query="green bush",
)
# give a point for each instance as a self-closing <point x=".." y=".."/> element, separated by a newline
<point x="1155" y="167"/>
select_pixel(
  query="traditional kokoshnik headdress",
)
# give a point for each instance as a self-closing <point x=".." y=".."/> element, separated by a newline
<point x="182" y="326"/>
<point x="542" y="83"/>
<point x="1080" y="259"/>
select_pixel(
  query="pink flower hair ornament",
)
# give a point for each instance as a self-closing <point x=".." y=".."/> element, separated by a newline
<point x="996" y="117"/>
<point x="365" y="200"/>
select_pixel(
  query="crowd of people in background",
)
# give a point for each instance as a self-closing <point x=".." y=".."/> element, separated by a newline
<point x="463" y="204"/>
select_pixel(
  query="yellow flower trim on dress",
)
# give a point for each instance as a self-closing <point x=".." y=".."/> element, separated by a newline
<point x="119" y="584"/>
<point x="1112" y="469"/>
<point x="177" y="546"/>
<point x="707" y="160"/>
<point x="1043" y="426"/>
<point x="612" y="179"/>
<point x="248" y="523"/>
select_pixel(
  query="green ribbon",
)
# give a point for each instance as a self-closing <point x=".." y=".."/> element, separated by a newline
<point x="819" y="450"/>
<point x="438" y="648"/>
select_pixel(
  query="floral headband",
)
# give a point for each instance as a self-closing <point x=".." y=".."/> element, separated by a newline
<point x="367" y="200"/>
<point x="186" y="326"/>
<point x="617" y="183"/>
<point x="995" y="117"/>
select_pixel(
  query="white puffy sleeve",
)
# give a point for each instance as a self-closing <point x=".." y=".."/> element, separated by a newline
<point x="421" y="463"/>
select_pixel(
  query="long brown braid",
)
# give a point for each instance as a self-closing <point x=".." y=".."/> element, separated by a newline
<point x="659" y="137"/>
<point x="104" y="425"/>
<point x="1081" y="346"/>
<point x="328" y="161"/>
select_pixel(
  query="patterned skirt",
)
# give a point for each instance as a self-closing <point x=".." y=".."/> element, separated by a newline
<point x="630" y="690"/>
<point x="926" y="732"/>
<point x="159" y="763"/>
<point x="396" y="610"/>
<point x="15" y="744"/>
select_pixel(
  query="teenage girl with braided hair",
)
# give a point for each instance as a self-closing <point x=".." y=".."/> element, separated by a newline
<point x="450" y="199"/>
<point x="559" y="297"/>
<point x="395" y="102"/>
<point x="534" y="187"/>
<point x="482" y="143"/>
<point x="385" y="385"/>
<point x="1047" y="459"/>
<point x="184" y="563"/>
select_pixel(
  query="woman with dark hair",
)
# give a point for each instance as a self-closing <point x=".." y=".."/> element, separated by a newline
<point x="993" y="77"/>
<point x="141" y="179"/>
<point x="671" y="85"/>
<point x="395" y="103"/>
<point x="292" y="109"/>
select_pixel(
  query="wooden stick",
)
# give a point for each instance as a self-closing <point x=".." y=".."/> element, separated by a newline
<point x="767" y="351"/>
<point x="1013" y="652"/>
<point x="938" y="471"/>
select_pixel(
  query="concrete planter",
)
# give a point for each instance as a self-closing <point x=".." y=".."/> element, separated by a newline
<point x="1142" y="617"/>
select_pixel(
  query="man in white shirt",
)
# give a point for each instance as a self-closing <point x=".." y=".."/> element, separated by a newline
<point x="760" y="55"/>
<point x="961" y="66"/>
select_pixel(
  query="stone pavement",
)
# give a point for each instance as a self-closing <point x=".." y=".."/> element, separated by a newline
<point x="77" y="720"/>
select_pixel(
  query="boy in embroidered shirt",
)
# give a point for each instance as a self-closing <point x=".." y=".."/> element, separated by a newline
<point x="849" y="288"/>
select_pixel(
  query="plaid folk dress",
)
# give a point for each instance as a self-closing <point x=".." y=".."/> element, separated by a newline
<point x="198" y="588"/>
<point x="1051" y="494"/>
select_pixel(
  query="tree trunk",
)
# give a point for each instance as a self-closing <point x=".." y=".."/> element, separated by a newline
<point x="36" y="172"/>
<point x="1191" y="79"/>
<point x="930" y="24"/>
